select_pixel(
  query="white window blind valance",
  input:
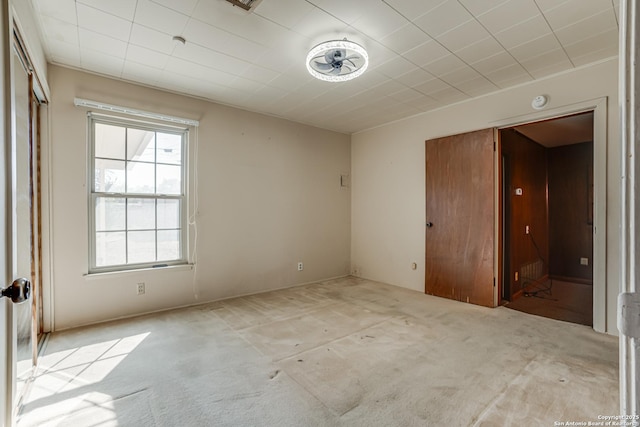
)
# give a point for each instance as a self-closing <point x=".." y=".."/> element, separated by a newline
<point x="79" y="102"/>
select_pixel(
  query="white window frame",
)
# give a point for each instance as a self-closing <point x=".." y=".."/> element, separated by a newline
<point x="94" y="118"/>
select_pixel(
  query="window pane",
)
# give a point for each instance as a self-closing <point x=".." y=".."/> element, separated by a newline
<point x="109" y="141"/>
<point x="169" y="148"/>
<point x="141" y="145"/>
<point x="140" y="178"/>
<point x="168" y="214"/>
<point x="168" y="245"/>
<point x="141" y="214"/>
<point x="110" y="214"/>
<point x="109" y="176"/>
<point x="142" y="246"/>
<point x="110" y="248"/>
<point x="169" y="179"/>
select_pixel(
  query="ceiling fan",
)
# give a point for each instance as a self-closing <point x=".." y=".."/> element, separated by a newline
<point x="337" y="60"/>
<point x="334" y="60"/>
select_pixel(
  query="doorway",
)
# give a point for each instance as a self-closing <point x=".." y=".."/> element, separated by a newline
<point x="547" y="210"/>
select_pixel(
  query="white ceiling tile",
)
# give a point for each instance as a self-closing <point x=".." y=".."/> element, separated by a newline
<point x="406" y="38"/>
<point x="462" y="36"/>
<point x="425" y="103"/>
<point x="197" y="71"/>
<point x="507" y="14"/>
<point x="535" y="47"/>
<point x="449" y="14"/>
<point x="64" y="10"/>
<point x="249" y="26"/>
<point x="246" y="85"/>
<point x="449" y="95"/>
<point x="290" y="83"/>
<point x="346" y="11"/>
<point x="548" y="63"/>
<point x="415" y="77"/>
<point x="573" y="11"/>
<point x="406" y="94"/>
<point x="148" y="57"/>
<point x="500" y="60"/>
<point x="477" y="87"/>
<point x="259" y="74"/>
<point x="523" y="32"/>
<point x="219" y="61"/>
<point x="389" y="87"/>
<point x="426" y="53"/>
<point x="103" y="23"/>
<point x="478" y="7"/>
<point x="594" y="56"/>
<point x="124" y="9"/>
<point x="378" y="54"/>
<point x="160" y="18"/>
<point x="506" y="76"/>
<point x="151" y="39"/>
<point x="317" y="25"/>
<point x="60" y="30"/>
<point x="546" y="5"/>
<point x="101" y="63"/>
<point x="607" y="41"/>
<point x="183" y="6"/>
<point x="284" y="12"/>
<point x="444" y="65"/>
<point x="460" y="75"/>
<point x="479" y="50"/>
<point x="586" y="28"/>
<point x="219" y="40"/>
<point x="61" y="52"/>
<point x="142" y="73"/>
<point x="396" y="67"/>
<point x="101" y="43"/>
<point x="379" y="21"/>
<point x="413" y="8"/>
<point x="432" y="86"/>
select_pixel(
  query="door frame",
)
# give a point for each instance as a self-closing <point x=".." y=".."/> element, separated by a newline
<point x="599" y="108"/>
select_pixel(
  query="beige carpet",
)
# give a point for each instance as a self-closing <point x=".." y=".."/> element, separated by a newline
<point x="348" y="352"/>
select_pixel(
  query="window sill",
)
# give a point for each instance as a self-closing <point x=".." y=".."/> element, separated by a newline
<point x="106" y="274"/>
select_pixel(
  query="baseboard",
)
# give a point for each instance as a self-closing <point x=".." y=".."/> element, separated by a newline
<point x="573" y="280"/>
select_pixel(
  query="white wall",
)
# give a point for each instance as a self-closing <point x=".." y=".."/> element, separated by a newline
<point x="269" y="196"/>
<point x="388" y="174"/>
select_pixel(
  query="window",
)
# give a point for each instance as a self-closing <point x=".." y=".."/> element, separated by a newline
<point x="137" y="205"/>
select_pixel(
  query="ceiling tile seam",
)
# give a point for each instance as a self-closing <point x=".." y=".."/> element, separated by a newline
<point x="447" y="49"/>
<point x="496" y="40"/>
<point x="554" y="33"/>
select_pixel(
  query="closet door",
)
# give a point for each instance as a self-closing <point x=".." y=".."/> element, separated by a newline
<point x="460" y="221"/>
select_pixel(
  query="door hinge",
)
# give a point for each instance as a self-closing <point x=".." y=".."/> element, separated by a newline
<point x="629" y="314"/>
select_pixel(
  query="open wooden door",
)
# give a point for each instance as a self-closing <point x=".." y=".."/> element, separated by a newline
<point x="460" y="231"/>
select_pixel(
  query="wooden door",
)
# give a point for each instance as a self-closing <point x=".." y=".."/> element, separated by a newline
<point x="460" y="229"/>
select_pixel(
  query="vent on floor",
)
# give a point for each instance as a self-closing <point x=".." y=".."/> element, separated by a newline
<point x="245" y="4"/>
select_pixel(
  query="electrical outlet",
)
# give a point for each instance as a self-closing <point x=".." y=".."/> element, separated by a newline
<point x="141" y="288"/>
<point x="584" y="261"/>
<point x="516" y="276"/>
<point x="300" y="266"/>
<point x="526" y="229"/>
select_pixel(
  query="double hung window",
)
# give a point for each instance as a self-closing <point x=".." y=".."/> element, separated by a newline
<point x="137" y="205"/>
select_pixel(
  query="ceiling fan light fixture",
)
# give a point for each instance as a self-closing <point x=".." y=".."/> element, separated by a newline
<point x="337" y="60"/>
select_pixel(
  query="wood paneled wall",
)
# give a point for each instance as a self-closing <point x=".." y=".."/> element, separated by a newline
<point x="525" y="167"/>
<point x="571" y="211"/>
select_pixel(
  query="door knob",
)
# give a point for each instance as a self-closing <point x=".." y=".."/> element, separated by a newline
<point x="429" y="224"/>
<point x="19" y="291"/>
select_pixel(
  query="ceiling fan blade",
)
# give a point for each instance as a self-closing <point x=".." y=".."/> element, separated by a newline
<point x="323" y="66"/>
<point x="336" y="71"/>
<point x="349" y="61"/>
